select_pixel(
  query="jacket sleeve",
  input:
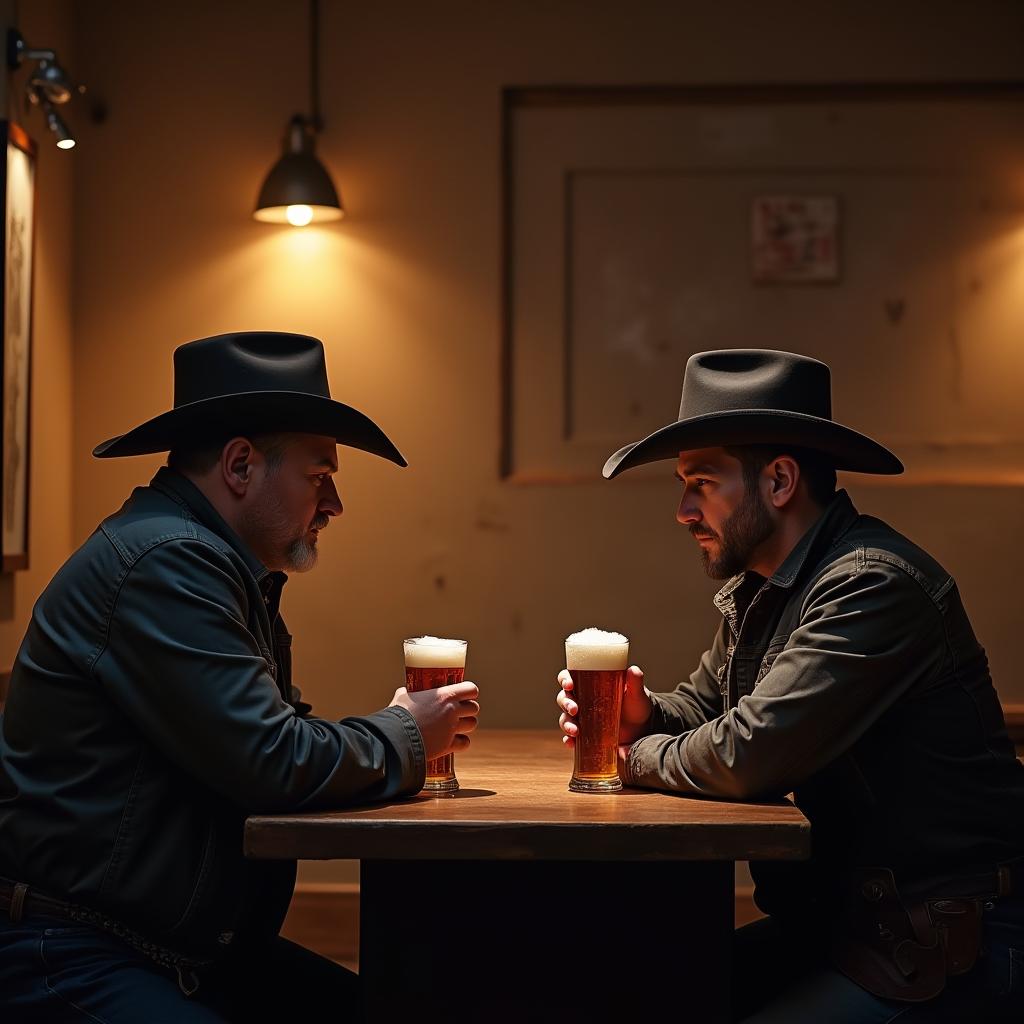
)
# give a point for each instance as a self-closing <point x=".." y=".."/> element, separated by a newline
<point x="302" y="707"/>
<point x="864" y="639"/>
<point x="697" y="700"/>
<point x="183" y="666"/>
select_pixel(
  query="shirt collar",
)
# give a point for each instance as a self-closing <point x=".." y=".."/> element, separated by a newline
<point x="732" y="600"/>
<point x="182" y="490"/>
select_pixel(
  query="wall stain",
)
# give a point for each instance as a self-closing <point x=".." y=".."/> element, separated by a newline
<point x="489" y="517"/>
<point x="894" y="310"/>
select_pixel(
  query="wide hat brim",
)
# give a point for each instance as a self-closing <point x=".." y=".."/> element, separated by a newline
<point x="260" y="412"/>
<point x="848" y="449"/>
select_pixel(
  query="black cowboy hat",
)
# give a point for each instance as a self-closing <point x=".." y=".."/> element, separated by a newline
<point x="757" y="396"/>
<point x="259" y="382"/>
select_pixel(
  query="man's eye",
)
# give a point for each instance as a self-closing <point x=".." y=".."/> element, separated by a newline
<point x="700" y="482"/>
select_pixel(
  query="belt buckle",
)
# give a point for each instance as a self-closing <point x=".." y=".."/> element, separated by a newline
<point x="17" y="908"/>
<point x="1004" y="878"/>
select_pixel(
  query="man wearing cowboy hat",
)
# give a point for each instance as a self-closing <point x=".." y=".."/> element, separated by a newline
<point x="151" y="708"/>
<point x="845" y="671"/>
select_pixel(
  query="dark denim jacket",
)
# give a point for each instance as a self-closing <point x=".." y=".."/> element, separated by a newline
<point x="853" y="678"/>
<point x="151" y="708"/>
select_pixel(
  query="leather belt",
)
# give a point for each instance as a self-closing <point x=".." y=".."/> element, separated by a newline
<point x="17" y="899"/>
<point x="1006" y="879"/>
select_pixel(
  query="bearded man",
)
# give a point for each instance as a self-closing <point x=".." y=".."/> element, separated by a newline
<point x="151" y="708"/>
<point x="845" y="671"/>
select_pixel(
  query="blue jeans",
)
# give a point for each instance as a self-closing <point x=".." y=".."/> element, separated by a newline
<point x="52" y="971"/>
<point x="783" y="978"/>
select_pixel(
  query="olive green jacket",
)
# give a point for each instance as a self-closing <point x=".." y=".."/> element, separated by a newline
<point x="852" y="678"/>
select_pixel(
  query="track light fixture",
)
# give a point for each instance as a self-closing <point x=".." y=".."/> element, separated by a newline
<point x="48" y="84"/>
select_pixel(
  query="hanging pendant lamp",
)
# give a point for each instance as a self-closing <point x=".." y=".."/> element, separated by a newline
<point x="298" y="190"/>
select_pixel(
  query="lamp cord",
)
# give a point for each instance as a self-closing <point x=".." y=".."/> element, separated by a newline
<point x="314" y="67"/>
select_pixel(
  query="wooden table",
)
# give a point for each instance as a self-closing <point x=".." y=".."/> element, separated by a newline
<point x="516" y="900"/>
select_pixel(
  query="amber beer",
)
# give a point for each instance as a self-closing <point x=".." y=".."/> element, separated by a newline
<point x="596" y="660"/>
<point x="430" y="662"/>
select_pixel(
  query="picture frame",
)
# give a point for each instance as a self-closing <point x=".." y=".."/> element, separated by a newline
<point x="18" y="235"/>
<point x="794" y="239"/>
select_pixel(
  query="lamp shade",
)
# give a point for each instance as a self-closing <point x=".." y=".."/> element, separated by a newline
<point x="298" y="190"/>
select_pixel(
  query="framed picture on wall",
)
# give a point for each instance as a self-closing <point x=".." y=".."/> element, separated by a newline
<point x="15" y="363"/>
<point x="795" y="239"/>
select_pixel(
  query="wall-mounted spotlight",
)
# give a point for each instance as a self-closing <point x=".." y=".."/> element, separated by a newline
<point x="48" y="84"/>
<point x="65" y="140"/>
<point x="298" y="190"/>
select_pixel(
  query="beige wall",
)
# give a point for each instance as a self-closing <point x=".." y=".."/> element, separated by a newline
<point x="405" y="293"/>
<point x="45" y="23"/>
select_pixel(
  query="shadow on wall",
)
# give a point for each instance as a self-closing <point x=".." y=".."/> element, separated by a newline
<point x="6" y="598"/>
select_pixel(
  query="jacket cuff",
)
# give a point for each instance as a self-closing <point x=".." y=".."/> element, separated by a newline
<point x="407" y="742"/>
<point x="642" y="761"/>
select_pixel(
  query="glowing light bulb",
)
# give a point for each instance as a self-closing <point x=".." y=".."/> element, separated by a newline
<point x="299" y="215"/>
<point x="66" y="144"/>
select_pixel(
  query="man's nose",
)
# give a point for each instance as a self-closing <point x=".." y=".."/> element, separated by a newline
<point x="330" y="501"/>
<point x="687" y="514"/>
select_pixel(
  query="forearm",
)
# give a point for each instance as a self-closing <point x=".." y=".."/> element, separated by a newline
<point x="866" y="639"/>
<point x="183" y="667"/>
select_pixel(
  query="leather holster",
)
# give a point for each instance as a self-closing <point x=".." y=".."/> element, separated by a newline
<point x="903" y="951"/>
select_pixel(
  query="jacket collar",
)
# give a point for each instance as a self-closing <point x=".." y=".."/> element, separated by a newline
<point x="180" y="489"/>
<point x="837" y="518"/>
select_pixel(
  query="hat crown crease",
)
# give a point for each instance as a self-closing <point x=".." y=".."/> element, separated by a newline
<point x="240" y="363"/>
<point x="744" y="379"/>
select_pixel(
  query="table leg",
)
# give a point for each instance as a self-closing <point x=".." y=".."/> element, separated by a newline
<point x="531" y="941"/>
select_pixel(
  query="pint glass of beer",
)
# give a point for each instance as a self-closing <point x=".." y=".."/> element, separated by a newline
<point x="430" y="662"/>
<point x="596" y="660"/>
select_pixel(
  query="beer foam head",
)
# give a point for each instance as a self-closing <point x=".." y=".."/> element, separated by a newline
<point x="596" y="650"/>
<point x="435" y="652"/>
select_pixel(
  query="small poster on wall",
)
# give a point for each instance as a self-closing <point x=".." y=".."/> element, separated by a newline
<point x="795" y="239"/>
<point x="18" y="228"/>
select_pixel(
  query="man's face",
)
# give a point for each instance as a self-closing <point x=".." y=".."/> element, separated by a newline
<point x="726" y="518"/>
<point x="288" y="504"/>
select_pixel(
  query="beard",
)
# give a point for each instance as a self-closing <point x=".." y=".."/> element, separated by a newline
<point x="301" y="554"/>
<point x="749" y="526"/>
<point x="271" y="522"/>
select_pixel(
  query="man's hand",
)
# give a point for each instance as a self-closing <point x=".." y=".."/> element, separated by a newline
<point x="636" y="707"/>
<point x="621" y="758"/>
<point x="445" y="716"/>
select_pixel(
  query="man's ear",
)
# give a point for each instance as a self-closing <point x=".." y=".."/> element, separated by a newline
<point x="783" y="479"/>
<point x="236" y="465"/>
